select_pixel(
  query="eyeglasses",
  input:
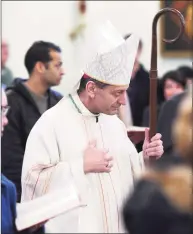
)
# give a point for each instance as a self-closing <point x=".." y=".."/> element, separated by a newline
<point x="4" y="110"/>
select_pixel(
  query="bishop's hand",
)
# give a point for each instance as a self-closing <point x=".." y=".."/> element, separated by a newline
<point x="96" y="160"/>
<point x="153" y="147"/>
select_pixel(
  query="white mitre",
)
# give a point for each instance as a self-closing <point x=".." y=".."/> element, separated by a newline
<point x="112" y="58"/>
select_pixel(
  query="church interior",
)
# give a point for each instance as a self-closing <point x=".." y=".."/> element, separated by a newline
<point x="136" y="74"/>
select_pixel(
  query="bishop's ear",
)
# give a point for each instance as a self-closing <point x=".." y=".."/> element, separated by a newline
<point x="91" y="89"/>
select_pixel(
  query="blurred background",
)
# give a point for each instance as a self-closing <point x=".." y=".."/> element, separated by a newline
<point x="24" y="22"/>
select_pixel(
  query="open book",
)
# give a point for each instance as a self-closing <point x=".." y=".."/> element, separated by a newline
<point x="48" y="206"/>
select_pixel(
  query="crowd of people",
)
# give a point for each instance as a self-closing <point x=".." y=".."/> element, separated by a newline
<point x="83" y="138"/>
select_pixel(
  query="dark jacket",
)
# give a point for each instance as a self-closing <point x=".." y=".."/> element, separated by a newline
<point x="138" y="93"/>
<point x="22" y="116"/>
<point x="167" y="115"/>
<point x="146" y="116"/>
<point x="150" y="210"/>
<point x="8" y="206"/>
<point x="160" y="101"/>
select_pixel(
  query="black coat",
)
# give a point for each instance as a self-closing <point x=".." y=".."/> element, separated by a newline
<point x="22" y="116"/>
<point x="167" y="115"/>
<point x="146" y="116"/>
<point x="160" y="101"/>
<point x="150" y="210"/>
<point x="138" y="94"/>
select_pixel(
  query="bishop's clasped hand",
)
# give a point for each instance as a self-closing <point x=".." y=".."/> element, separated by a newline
<point x="96" y="160"/>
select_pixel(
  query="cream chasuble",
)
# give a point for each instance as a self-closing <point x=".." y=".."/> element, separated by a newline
<point x="54" y="154"/>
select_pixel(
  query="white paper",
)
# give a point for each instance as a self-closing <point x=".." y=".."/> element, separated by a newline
<point x="136" y="129"/>
<point x="46" y="207"/>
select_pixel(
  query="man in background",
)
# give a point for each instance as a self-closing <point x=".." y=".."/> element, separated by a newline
<point x="28" y="100"/>
<point x="6" y="74"/>
<point x="138" y="91"/>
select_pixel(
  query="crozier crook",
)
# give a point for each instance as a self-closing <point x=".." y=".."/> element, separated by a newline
<point x="153" y="69"/>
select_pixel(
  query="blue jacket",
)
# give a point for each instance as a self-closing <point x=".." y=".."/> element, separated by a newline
<point x="8" y="206"/>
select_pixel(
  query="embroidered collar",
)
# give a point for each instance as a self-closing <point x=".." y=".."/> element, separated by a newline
<point x="80" y="106"/>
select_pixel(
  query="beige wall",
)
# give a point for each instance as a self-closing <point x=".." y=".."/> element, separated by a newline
<point x="23" y="22"/>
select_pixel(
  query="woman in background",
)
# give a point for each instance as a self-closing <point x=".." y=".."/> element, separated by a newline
<point x="171" y="84"/>
<point x="168" y="112"/>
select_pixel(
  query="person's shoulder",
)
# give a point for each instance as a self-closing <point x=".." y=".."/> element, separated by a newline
<point x="177" y="176"/>
<point x="14" y="99"/>
<point x="57" y="95"/>
<point x="144" y="72"/>
<point x="171" y="193"/>
<point x="172" y="103"/>
<point x="12" y="91"/>
<point x="9" y="71"/>
<point x="167" y="104"/>
<point x="179" y="97"/>
<point x="176" y="98"/>
<point x="7" y="183"/>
